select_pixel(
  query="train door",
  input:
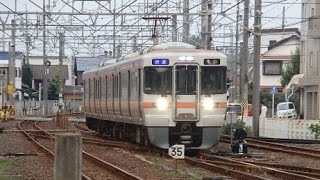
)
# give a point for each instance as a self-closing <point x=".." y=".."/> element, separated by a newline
<point x="186" y="95"/>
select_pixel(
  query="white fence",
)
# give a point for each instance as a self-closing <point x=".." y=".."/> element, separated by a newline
<point x="284" y="128"/>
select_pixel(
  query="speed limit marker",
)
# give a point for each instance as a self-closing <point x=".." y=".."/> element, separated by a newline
<point x="176" y="151"/>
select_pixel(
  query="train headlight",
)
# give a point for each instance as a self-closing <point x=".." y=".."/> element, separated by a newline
<point x="162" y="104"/>
<point x="207" y="104"/>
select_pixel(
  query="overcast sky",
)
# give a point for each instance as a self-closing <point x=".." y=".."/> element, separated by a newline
<point x="272" y="15"/>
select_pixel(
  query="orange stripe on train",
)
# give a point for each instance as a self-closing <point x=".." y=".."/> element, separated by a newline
<point x="186" y="105"/>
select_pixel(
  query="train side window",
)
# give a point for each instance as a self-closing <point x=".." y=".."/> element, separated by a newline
<point x="128" y="85"/>
<point x="139" y="84"/>
<point x="99" y="90"/>
<point x="106" y="91"/>
<point x="119" y="85"/>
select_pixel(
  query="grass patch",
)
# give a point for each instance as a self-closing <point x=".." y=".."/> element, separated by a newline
<point x="6" y="165"/>
<point x="184" y="171"/>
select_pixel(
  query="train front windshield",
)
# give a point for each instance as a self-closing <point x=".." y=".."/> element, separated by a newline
<point x="157" y="80"/>
<point x="213" y="80"/>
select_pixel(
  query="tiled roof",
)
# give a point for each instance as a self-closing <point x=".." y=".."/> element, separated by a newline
<point x="87" y="63"/>
<point x="4" y="55"/>
<point x="280" y="30"/>
<point x="37" y="71"/>
<point x="279" y="43"/>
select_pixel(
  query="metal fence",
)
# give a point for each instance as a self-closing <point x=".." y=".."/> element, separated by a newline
<point x="35" y="108"/>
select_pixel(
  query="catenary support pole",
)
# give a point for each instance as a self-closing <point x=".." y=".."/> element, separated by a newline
<point x="45" y="68"/>
<point x="245" y="51"/>
<point x="256" y="68"/>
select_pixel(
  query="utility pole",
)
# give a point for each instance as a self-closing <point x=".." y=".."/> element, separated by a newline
<point x="12" y="69"/>
<point x="27" y="48"/>
<point x="283" y="16"/>
<point x="209" y="36"/>
<point x="45" y="71"/>
<point x="185" y="36"/>
<point x="235" y="66"/>
<point x="61" y="79"/>
<point x="256" y="68"/>
<point x="174" y="28"/>
<point x="204" y="24"/>
<point x="114" y="30"/>
<point x="134" y="46"/>
<point x="244" y="59"/>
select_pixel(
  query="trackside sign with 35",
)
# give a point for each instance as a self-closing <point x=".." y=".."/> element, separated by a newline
<point x="177" y="151"/>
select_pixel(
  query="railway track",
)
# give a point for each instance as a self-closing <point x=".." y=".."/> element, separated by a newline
<point x="287" y="141"/>
<point x="310" y="153"/>
<point x="89" y="158"/>
<point x="249" y="170"/>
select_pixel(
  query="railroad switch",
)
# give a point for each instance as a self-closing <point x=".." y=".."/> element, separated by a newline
<point x="239" y="144"/>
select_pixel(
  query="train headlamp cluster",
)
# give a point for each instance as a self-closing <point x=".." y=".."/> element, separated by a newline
<point x="207" y="103"/>
<point x="162" y="104"/>
<point x="186" y="58"/>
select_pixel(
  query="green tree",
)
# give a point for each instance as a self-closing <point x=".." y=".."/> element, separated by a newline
<point x="53" y="88"/>
<point x="292" y="69"/>
<point x="27" y="75"/>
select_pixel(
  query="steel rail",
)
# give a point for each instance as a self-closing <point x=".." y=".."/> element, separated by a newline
<point x="311" y="153"/>
<point x="287" y="167"/>
<point x="228" y="171"/>
<point x="49" y="153"/>
<point x="97" y="161"/>
<point x="271" y="171"/>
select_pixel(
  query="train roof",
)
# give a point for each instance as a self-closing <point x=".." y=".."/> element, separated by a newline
<point x="168" y="48"/>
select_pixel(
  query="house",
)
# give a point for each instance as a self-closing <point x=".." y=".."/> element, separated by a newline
<point x="271" y="36"/>
<point x="4" y="67"/>
<point x="82" y="64"/>
<point x="36" y="66"/>
<point x="310" y="58"/>
<point x="275" y="60"/>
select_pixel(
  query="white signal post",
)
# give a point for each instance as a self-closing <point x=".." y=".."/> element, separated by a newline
<point x="176" y="152"/>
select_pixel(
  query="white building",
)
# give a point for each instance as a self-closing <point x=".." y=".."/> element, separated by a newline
<point x="277" y="45"/>
<point x="310" y="57"/>
<point x="36" y="65"/>
<point x="275" y="60"/>
<point x="4" y="65"/>
<point x="271" y="36"/>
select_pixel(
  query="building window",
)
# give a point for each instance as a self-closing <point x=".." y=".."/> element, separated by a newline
<point x="310" y="59"/>
<point x="272" y="68"/>
<point x="312" y="19"/>
<point x="271" y="42"/>
<point x="2" y="71"/>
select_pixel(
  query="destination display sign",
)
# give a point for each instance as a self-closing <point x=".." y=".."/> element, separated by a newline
<point x="211" y="61"/>
<point x="160" y="61"/>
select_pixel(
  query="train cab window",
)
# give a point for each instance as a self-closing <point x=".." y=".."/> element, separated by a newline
<point x="157" y="80"/>
<point x="213" y="80"/>
<point x="186" y="79"/>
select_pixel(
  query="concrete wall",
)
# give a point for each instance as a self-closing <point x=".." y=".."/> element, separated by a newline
<point x="310" y="57"/>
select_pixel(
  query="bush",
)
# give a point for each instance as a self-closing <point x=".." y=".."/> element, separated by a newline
<point x="238" y="125"/>
<point x="315" y="129"/>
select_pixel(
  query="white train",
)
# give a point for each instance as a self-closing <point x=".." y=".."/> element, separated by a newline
<point x="169" y="94"/>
